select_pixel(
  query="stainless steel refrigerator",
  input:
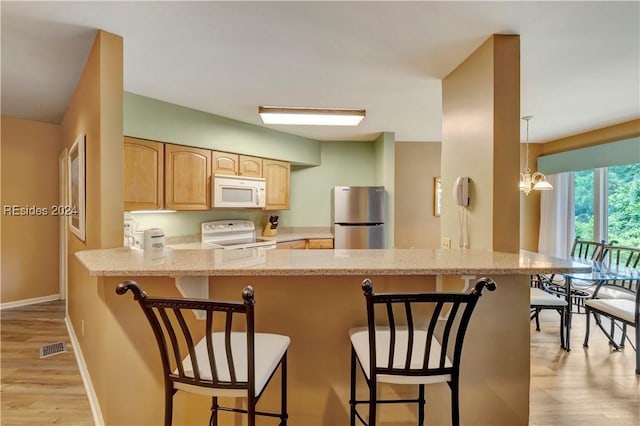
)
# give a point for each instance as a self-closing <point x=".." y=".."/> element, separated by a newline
<point x="358" y="217"/>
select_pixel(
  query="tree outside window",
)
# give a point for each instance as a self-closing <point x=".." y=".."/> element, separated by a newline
<point x="583" y="203"/>
<point x="623" y="205"/>
<point x="622" y="216"/>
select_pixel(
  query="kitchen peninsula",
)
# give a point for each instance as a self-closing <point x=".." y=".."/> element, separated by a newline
<point x="314" y="296"/>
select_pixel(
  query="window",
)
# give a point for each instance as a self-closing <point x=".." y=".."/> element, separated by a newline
<point x="584" y="182"/>
<point x="623" y="205"/>
<point x="607" y="204"/>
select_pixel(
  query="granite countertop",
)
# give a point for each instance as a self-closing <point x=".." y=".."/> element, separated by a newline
<point x="126" y="261"/>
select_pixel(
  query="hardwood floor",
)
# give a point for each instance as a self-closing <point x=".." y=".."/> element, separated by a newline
<point x="594" y="386"/>
<point x="39" y="391"/>
<point x="587" y="386"/>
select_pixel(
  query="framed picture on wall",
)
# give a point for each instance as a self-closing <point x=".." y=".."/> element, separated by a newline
<point x="437" y="196"/>
<point x="76" y="208"/>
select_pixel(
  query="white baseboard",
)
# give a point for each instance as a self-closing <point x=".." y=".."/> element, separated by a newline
<point x="33" y="301"/>
<point x="84" y="373"/>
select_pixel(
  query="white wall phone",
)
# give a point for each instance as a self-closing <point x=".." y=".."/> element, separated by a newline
<point x="461" y="198"/>
<point x="461" y="191"/>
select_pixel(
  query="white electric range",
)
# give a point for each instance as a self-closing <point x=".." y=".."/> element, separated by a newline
<point x="233" y="234"/>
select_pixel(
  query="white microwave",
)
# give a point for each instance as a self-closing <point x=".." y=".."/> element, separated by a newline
<point x="238" y="192"/>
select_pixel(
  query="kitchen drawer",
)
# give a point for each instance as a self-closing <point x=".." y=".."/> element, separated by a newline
<point x="297" y="244"/>
<point x="320" y="243"/>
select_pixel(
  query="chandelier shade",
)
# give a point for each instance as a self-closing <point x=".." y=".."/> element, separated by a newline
<point x="528" y="181"/>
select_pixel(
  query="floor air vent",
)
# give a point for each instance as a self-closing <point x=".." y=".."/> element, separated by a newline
<point x="52" y="349"/>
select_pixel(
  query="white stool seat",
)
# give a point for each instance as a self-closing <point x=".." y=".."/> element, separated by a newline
<point x="607" y="292"/>
<point x="539" y="297"/>
<point x="619" y="308"/>
<point x="269" y="349"/>
<point x="360" y="341"/>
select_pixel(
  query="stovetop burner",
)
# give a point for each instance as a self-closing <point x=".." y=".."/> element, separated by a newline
<point x="233" y="234"/>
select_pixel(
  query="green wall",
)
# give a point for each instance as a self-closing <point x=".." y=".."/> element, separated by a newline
<point x="384" y="151"/>
<point x="342" y="164"/>
<point x="149" y="118"/>
<point x="316" y="166"/>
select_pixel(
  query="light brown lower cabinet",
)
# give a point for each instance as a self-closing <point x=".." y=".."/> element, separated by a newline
<point x="320" y="243"/>
<point x="297" y="244"/>
<point x="313" y="243"/>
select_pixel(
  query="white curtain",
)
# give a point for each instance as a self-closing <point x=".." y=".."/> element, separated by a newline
<point x="557" y="216"/>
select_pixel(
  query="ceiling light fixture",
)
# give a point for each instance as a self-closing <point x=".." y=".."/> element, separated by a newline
<point x="311" y="116"/>
<point x="529" y="182"/>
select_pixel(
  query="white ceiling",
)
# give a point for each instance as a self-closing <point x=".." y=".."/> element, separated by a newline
<point x="580" y="61"/>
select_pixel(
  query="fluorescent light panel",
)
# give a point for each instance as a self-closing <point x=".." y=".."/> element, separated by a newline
<point x="311" y="116"/>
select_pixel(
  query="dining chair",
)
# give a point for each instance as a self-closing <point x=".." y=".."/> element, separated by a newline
<point x="582" y="251"/>
<point x="540" y="300"/>
<point x="410" y="347"/>
<point x="616" y="301"/>
<point x="222" y="363"/>
<point x="620" y="257"/>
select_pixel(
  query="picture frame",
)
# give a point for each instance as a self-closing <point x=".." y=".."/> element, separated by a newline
<point x="76" y="173"/>
<point x="437" y="196"/>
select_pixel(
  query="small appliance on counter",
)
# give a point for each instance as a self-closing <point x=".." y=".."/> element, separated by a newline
<point x="149" y="239"/>
<point x="271" y="228"/>
<point x="153" y="239"/>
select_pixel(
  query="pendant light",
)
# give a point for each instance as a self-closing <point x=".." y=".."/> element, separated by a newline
<point x="530" y="182"/>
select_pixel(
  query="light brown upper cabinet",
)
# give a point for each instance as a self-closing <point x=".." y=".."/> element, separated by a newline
<point x="187" y="178"/>
<point x="225" y="163"/>
<point x="143" y="174"/>
<point x="276" y="174"/>
<point x="250" y="166"/>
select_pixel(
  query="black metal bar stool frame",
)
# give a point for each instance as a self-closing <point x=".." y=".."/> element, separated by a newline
<point x="435" y="366"/>
<point x="167" y="317"/>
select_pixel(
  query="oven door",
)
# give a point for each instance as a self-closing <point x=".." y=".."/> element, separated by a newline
<point x="234" y="192"/>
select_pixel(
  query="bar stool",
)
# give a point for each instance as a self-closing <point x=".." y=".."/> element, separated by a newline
<point x="408" y="352"/>
<point x="221" y="364"/>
